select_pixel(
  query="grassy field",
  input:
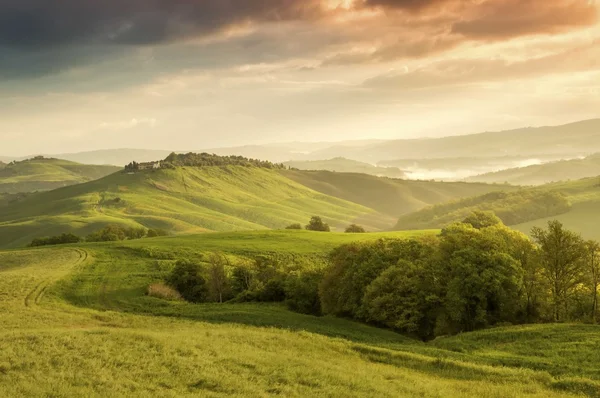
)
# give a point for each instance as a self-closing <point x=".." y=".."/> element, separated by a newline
<point x="76" y="322"/>
<point x="393" y="197"/>
<point x="183" y="200"/>
<point x="47" y="174"/>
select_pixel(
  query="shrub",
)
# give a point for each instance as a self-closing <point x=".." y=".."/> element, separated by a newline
<point x="355" y="229"/>
<point x="317" y="224"/>
<point x="294" y="226"/>
<point x="62" y="239"/>
<point x="188" y="279"/>
<point x="162" y="291"/>
<point x="155" y="232"/>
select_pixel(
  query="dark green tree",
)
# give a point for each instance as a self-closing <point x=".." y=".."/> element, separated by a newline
<point x="317" y="224"/>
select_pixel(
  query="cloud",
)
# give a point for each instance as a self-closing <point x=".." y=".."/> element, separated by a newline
<point x="496" y="20"/>
<point x="466" y="71"/>
<point x="31" y="24"/>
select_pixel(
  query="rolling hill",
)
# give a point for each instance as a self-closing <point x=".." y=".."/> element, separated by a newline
<point x="544" y="173"/>
<point x="575" y="203"/>
<point x="393" y="197"/>
<point x="42" y="174"/>
<point x="180" y="200"/>
<point x="343" y="165"/>
<point x="76" y="321"/>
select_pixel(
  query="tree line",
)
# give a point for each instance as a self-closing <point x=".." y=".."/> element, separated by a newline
<point x="476" y="274"/>
<point x="110" y="233"/>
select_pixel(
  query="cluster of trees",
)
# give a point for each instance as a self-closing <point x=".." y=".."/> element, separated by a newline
<point x="206" y="159"/>
<point x="476" y="274"/>
<point x="62" y="239"/>
<point x="110" y="233"/>
<point x="511" y="207"/>
<point x="316" y="223"/>
<point x="215" y="278"/>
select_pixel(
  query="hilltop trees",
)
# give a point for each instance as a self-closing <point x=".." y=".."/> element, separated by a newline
<point x="317" y="224"/>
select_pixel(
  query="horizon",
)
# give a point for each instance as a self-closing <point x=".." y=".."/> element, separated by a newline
<point x="282" y="143"/>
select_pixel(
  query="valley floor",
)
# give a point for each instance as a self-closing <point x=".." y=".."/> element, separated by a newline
<point x="76" y="322"/>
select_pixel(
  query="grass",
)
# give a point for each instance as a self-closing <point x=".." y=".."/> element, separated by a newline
<point x="76" y="321"/>
<point x="184" y="200"/>
<point x="47" y="174"/>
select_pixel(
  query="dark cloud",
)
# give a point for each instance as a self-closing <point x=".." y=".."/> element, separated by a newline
<point x="33" y="24"/>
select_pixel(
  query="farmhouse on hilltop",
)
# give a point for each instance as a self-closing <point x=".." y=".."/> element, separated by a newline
<point x="149" y="165"/>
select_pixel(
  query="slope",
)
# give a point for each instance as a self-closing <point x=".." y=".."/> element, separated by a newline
<point x="343" y="165"/>
<point x="544" y="173"/>
<point x="388" y="196"/>
<point x="41" y="174"/>
<point x="77" y="322"/>
<point x="575" y="203"/>
<point x="180" y="200"/>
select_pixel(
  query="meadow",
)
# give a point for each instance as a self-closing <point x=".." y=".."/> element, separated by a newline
<point x="77" y="322"/>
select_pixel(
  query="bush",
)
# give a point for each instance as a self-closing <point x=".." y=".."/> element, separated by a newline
<point x="162" y="291"/>
<point x="294" y="226"/>
<point x="355" y="229"/>
<point x="317" y="224"/>
<point x="188" y="279"/>
<point x="62" y="239"/>
<point x="156" y="232"/>
<point x="273" y="291"/>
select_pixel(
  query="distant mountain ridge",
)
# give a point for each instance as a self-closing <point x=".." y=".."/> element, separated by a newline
<point x="565" y="141"/>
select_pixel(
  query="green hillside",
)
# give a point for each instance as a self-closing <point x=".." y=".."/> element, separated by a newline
<point x="343" y="165"/>
<point x="76" y="321"/>
<point x="575" y="203"/>
<point x="179" y="200"/>
<point x="544" y="173"/>
<point x="388" y="196"/>
<point x="41" y="174"/>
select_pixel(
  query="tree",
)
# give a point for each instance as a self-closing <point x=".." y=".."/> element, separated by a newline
<point x="317" y="224"/>
<point x="480" y="279"/>
<point x="217" y="277"/>
<point x="562" y="255"/>
<point x="355" y="229"/>
<point x="593" y="258"/>
<point x="403" y="298"/>
<point x="482" y="219"/>
<point x="294" y="226"/>
<point x="187" y="278"/>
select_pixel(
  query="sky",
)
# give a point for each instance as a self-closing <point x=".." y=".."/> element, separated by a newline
<point x="79" y="75"/>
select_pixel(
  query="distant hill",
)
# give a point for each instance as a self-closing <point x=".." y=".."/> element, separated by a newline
<point x="343" y="165"/>
<point x="393" y="197"/>
<point x="41" y="174"/>
<point x="575" y="203"/>
<point x="180" y="200"/>
<point x="545" y="173"/>
<point x="461" y="168"/>
<point x="567" y="141"/>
